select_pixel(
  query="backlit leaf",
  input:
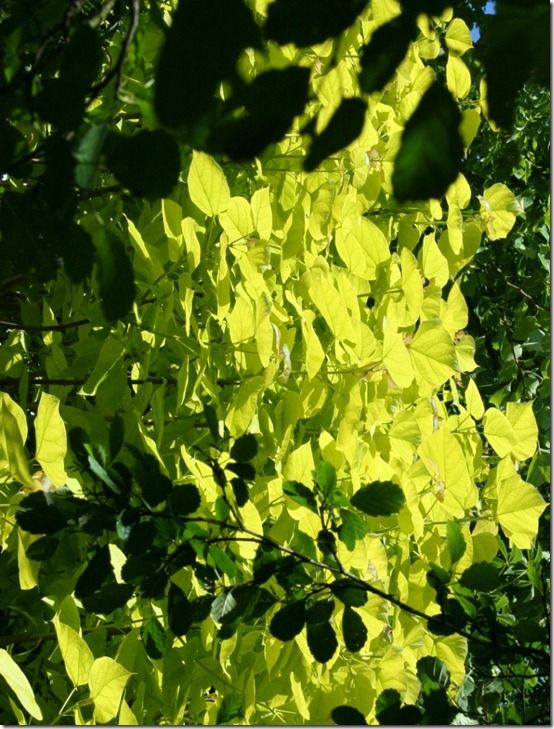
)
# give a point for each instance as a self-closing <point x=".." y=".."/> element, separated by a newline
<point x="106" y="682"/>
<point x="51" y="439"/>
<point x="19" y="684"/>
<point x="207" y="186"/>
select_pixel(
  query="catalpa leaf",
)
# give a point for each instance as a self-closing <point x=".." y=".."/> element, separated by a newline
<point x="380" y="498"/>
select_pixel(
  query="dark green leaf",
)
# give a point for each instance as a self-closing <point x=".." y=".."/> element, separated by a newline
<point x="146" y="163"/>
<point x="389" y="712"/>
<point x="184" y="499"/>
<point x="141" y="537"/>
<point x="210" y="414"/>
<point x="307" y="22"/>
<point x="288" y="621"/>
<point x="431" y="148"/>
<point x="385" y="51"/>
<point x="320" y="611"/>
<point x="183" y="556"/>
<point x="182" y="96"/>
<point x="437" y="576"/>
<point x="42" y="549"/>
<point x="154" y="585"/>
<point x="36" y="516"/>
<point x="224" y="607"/>
<point x="482" y="576"/>
<point x="285" y="91"/>
<point x="77" y="252"/>
<point x="348" y="716"/>
<point x="222" y="561"/>
<point x="116" y="285"/>
<point x="240" y="490"/>
<point x="201" y="607"/>
<point x="97" y="571"/>
<point x="108" y="598"/>
<point x="455" y="541"/>
<point x="380" y="498"/>
<point x="154" y="638"/>
<point x="301" y="494"/>
<point x="322" y="641"/>
<point x="230" y="708"/>
<point x="437" y="708"/>
<point x="344" y="127"/>
<point x="117" y="435"/>
<point x="139" y="567"/>
<point x="244" y="448"/>
<point x="353" y="630"/>
<point x="179" y="612"/>
<point x="349" y="593"/>
<point x="244" y="470"/>
<point x="155" y="486"/>
<point x="432" y="673"/>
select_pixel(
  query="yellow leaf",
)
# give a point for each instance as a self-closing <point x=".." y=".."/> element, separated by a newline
<point x="331" y="305"/>
<point x="458" y="37"/>
<point x="51" y="439"/>
<point x="499" y="432"/>
<point x="11" y="446"/>
<point x="498" y="210"/>
<point x="522" y="419"/>
<point x="474" y="401"/>
<point x="396" y="358"/>
<point x="189" y="228"/>
<point x="243" y="407"/>
<point x="412" y="286"/>
<point x="518" y="508"/>
<point x="261" y="212"/>
<point x="444" y="459"/>
<point x="76" y="654"/>
<point x="18" y="414"/>
<point x="454" y="314"/>
<point x="313" y="352"/>
<point x="362" y="246"/>
<point x="264" y="330"/>
<point x="208" y="188"/>
<point x="28" y="569"/>
<point x="433" y="353"/>
<point x="298" y="694"/>
<point x="465" y="351"/>
<point x="434" y="264"/>
<point x="458" y="77"/>
<point x="241" y="320"/>
<point x="106" y="682"/>
<point x="17" y="681"/>
<point x="126" y="716"/>
<point x="236" y="220"/>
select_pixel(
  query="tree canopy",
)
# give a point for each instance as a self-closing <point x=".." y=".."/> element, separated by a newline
<point x="274" y="367"/>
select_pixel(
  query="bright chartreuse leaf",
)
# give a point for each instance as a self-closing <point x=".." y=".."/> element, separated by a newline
<point x="76" y="653"/>
<point x="207" y="186"/>
<point x="51" y="439"/>
<point x="518" y="508"/>
<point x="433" y="353"/>
<point x="524" y="425"/>
<point x="455" y="541"/>
<point x="458" y="77"/>
<point x="19" y="684"/>
<point x="498" y="210"/>
<point x="380" y="498"/>
<point x="499" y="432"/>
<point x="107" y="682"/>
<point x="458" y="37"/>
<point x="474" y="401"/>
<point x="11" y="446"/>
<point x="431" y="150"/>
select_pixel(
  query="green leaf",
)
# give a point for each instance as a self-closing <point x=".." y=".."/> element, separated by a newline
<point x="348" y="716"/>
<point x="344" y="127"/>
<point x="455" y="541"/>
<point x="432" y="674"/>
<point x="300" y="494"/>
<point x="19" y="684"/>
<point x="36" y="516"/>
<point x="207" y="186"/>
<point x="385" y="51"/>
<point x="380" y="498"/>
<point x="76" y="653"/>
<point x="224" y="607"/>
<point x="232" y="707"/>
<point x="431" y="148"/>
<point x="244" y="448"/>
<point x="288" y="621"/>
<point x="184" y="499"/>
<point x="179" y="612"/>
<point x="147" y="163"/>
<point x="353" y="630"/>
<point x="320" y="612"/>
<point x="482" y="576"/>
<point x="87" y="154"/>
<point x="244" y="470"/>
<point x="240" y="490"/>
<point x="325" y="477"/>
<point x="51" y="439"/>
<point x="117" y="435"/>
<point x="322" y="641"/>
<point x="349" y="593"/>
<point x="351" y="529"/>
<point x="116" y="285"/>
<point x="307" y="22"/>
<point x="108" y="598"/>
